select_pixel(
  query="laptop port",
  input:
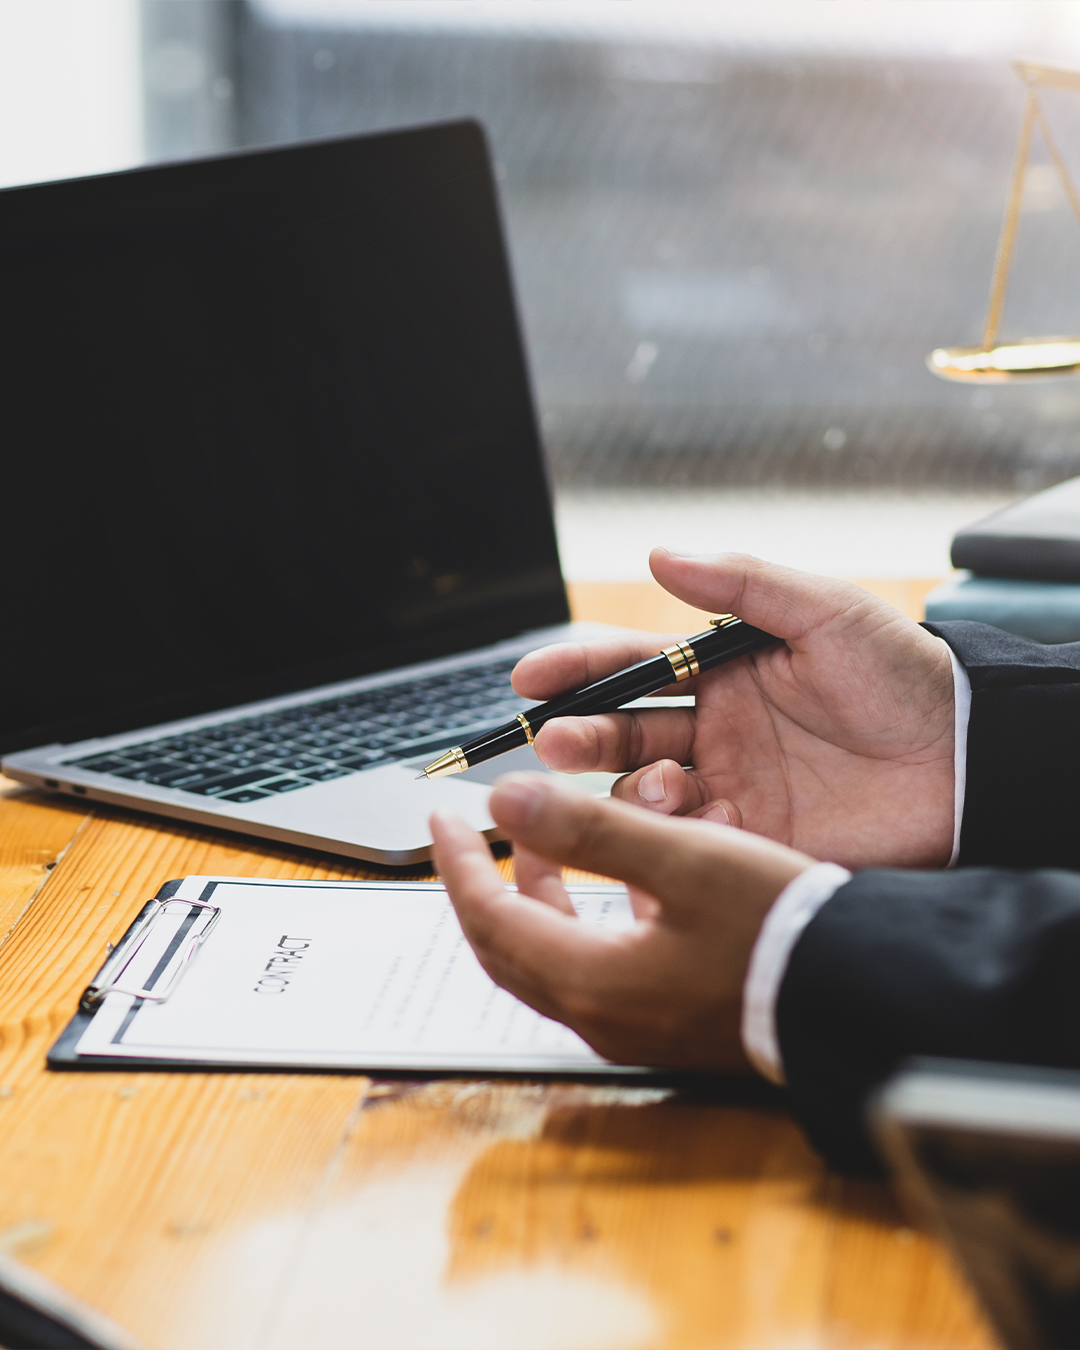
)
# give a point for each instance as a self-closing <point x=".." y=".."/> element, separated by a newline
<point x="51" y="782"/>
<point x="80" y="790"/>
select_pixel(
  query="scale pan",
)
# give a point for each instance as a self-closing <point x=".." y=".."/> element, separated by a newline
<point x="1026" y="359"/>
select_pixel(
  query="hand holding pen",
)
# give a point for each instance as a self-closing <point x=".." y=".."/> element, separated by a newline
<point x="727" y="639"/>
<point x="814" y="742"/>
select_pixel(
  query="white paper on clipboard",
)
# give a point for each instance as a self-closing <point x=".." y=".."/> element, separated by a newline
<point x="350" y="975"/>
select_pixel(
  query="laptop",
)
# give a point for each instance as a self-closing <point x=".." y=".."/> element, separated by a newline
<point x="275" y="514"/>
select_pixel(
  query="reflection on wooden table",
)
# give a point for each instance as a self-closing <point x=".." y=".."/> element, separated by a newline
<point x="333" y="1212"/>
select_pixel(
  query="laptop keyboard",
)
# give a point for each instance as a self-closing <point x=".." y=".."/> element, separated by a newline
<point x="256" y="757"/>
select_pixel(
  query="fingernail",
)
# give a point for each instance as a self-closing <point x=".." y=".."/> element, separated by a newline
<point x="651" y="787"/>
<point x="517" y="797"/>
<point x="717" y="814"/>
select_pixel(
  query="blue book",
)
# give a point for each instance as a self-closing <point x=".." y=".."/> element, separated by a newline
<point x="1048" y="611"/>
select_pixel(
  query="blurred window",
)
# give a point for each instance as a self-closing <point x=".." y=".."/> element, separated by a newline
<point x="69" y="88"/>
<point x="737" y="228"/>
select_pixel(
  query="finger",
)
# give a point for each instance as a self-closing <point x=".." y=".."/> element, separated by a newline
<point x="785" y="602"/>
<point x="541" y="956"/>
<point x="571" y="665"/>
<point x="541" y="879"/>
<point x="719" y="812"/>
<point x="644" y="905"/>
<point x="616" y="742"/>
<point x="670" y="790"/>
<point x="668" y="857"/>
<point x="482" y="903"/>
<point x="665" y="787"/>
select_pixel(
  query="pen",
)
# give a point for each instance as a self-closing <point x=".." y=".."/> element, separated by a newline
<point x="728" y="638"/>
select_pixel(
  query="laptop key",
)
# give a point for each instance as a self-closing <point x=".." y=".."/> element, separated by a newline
<point x="147" y="771"/>
<point x="463" y="718"/>
<point x="358" y="729"/>
<point x="140" y="754"/>
<point x="99" y="764"/>
<point x="181" y="776"/>
<point x="424" y="726"/>
<point x="285" y="784"/>
<point x="165" y="773"/>
<point x="245" y="795"/>
<point x="214" y="787"/>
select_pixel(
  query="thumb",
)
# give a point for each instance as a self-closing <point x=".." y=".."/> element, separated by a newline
<point x="678" y="861"/>
<point x="784" y="602"/>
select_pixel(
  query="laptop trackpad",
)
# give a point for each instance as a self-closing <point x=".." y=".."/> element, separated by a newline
<point x="525" y="759"/>
<point x="514" y="761"/>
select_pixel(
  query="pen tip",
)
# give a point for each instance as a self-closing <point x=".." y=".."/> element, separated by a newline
<point x="419" y="776"/>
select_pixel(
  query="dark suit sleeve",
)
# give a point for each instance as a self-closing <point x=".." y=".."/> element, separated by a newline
<point x="976" y="963"/>
<point x="972" y="964"/>
<point x="1023" y="755"/>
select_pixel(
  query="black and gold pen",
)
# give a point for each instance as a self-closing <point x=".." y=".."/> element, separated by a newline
<point x="728" y="638"/>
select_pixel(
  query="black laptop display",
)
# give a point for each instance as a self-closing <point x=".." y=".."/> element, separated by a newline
<point x="266" y="425"/>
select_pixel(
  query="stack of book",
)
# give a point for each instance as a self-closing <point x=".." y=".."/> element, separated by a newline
<point x="1022" y="569"/>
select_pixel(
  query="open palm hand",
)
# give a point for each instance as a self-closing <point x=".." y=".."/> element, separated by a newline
<point x="839" y="743"/>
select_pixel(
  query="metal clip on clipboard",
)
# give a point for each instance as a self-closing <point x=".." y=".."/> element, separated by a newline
<point x="192" y="934"/>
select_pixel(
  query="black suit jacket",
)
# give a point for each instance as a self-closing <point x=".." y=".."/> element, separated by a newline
<point x="982" y="962"/>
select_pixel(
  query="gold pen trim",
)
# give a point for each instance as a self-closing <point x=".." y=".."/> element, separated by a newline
<point x="682" y="660"/>
<point x="691" y="658"/>
<point x="453" y="761"/>
<point x="525" y="727"/>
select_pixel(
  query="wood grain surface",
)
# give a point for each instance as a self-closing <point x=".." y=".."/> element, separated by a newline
<point x="335" y="1212"/>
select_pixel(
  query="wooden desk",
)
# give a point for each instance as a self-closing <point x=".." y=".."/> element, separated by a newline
<point x="332" y="1213"/>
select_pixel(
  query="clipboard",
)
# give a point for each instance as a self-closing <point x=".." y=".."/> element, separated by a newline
<point x="361" y="977"/>
<point x="62" y="1053"/>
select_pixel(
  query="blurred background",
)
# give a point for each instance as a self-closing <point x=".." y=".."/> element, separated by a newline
<point x="737" y="229"/>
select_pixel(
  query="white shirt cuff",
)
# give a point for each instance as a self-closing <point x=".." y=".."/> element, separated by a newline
<point x="962" y="714"/>
<point x="792" y="910"/>
<point x="801" y="899"/>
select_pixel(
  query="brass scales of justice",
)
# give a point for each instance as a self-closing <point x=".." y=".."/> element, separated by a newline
<point x="994" y="362"/>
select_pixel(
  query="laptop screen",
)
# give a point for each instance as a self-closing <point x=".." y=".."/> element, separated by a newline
<point x="266" y="424"/>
